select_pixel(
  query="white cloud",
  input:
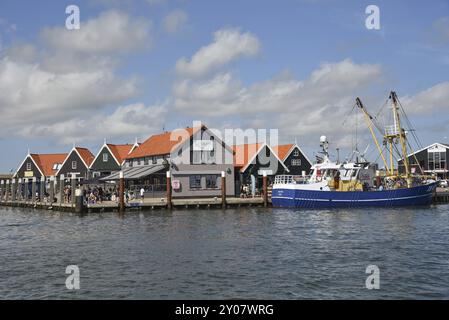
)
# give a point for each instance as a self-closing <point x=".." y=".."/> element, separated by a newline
<point x="126" y="122"/>
<point x="432" y="100"/>
<point x="30" y="94"/>
<point x="305" y="108"/>
<point x="61" y="90"/>
<point x="111" y="32"/>
<point x="175" y="21"/>
<point x="228" y="45"/>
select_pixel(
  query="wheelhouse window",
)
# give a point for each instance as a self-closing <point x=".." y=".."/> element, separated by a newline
<point x="105" y="157"/>
<point x="74" y="165"/>
<point x="195" y="182"/>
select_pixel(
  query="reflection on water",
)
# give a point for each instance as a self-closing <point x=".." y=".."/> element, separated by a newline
<point x="215" y="254"/>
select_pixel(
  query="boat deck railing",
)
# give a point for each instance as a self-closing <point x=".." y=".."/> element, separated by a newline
<point x="291" y="179"/>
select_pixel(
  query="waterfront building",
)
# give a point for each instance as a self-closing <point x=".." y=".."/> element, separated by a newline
<point x="40" y="166"/>
<point x="110" y="159"/>
<point x="429" y="160"/>
<point x="195" y="158"/>
<point x="77" y="162"/>
<point x="251" y="161"/>
<point x="294" y="159"/>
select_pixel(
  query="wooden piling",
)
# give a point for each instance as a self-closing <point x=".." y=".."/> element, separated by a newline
<point x="121" y="191"/>
<point x="13" y="189"/>
<point x="223" y="189"/>
<point x="33" y="190"/>
<point x="169" y="191"/>
<point x="19" y="190"/>
<point x="73" y="189"/>
<point x="265" y="189"/>
<point x="61" y="189"/>
<point x="7" y="191"/>
<point x="51" y="196"/>
<point x="2" y="189"/>
<point x="42" y="190"/>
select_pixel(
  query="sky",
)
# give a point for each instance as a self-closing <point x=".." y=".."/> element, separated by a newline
<point x="138" y="67"/>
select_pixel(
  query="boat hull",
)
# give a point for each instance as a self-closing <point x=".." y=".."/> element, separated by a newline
<point x="291" y="196"/>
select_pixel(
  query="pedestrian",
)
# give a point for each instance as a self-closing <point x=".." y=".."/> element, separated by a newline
<point x="142" y="194"/>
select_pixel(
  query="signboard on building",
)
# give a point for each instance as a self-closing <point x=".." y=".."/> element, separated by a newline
<point x="176" y="184"/>
<point x="203" y="145"/>
<point x="29" y="174"/>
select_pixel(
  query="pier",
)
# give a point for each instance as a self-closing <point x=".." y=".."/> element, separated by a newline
<point x="441" y="195"/>
<point x="147" y="204"/>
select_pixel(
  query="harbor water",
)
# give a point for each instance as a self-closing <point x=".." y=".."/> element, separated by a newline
<point x="245" y="253"/>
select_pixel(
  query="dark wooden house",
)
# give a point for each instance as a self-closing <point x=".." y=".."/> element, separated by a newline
<point x="110" y="159"/>
<point x="294" y="159"/>
<point x="77" y="162"/>
<point x="252" y="160"/>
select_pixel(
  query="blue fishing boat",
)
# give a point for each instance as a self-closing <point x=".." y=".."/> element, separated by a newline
<point x="359" y="184"/>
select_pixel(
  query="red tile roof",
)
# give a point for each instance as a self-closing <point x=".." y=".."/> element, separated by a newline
<point x="47" y="162"/>
<point x="244" y="153"/>
<point x="282" y="150"/>
<point x="86" y="155"/>
<point x="120" y="151"/>
<point x="161" y="144"/>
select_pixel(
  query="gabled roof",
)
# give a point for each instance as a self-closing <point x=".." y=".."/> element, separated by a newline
<point x="285" y="150"/>
<point x="160" y="144"/>
<point x="443" y="145"/>
<point x="120" y="151"/>
<point x="46" y="162"/>
<point x="85" y="155"/>
<point x="245" y="154"/>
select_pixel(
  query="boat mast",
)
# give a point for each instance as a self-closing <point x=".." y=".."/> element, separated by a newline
<point x="400" y="133"/>
<point x="369" y="121"/>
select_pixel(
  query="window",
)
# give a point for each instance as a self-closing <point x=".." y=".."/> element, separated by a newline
<point x="296" y="162"/>
<point x="195" y="182"/>
<point x="196" y="157"/>
<point x="211" y="181"/>
<point x="105" y="157"/>
<point x="154" y="160"/>
<point x="437" y="161"/>
<point x="28" y="166"/>
<point x="74" y="165"/>
<point x="296" y="153"/>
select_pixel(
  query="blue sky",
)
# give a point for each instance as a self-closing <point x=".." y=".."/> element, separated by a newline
<point x="294" y="65"/>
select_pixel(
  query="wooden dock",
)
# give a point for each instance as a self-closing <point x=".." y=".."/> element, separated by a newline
<point x="147" y="204"/>
<point x="441" y="195"/>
